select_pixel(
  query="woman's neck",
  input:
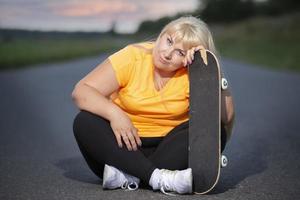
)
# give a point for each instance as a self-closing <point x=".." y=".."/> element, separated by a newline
<point x="164" y="74"/>
<point x="161" y="78"/>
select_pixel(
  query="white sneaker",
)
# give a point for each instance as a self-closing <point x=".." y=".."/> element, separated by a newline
<point x="180" y="181"/>
<point x="114" y="178"/>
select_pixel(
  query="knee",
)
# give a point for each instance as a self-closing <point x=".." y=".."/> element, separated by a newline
<point x="78" y="122"/>
<point x="82" y="121"/>
<point x="87" y="122"/>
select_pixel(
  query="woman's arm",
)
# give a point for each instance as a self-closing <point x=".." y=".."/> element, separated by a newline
<point x="92" y="92"/>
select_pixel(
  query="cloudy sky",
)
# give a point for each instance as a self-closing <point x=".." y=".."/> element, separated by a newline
<point x="86" y="15"/>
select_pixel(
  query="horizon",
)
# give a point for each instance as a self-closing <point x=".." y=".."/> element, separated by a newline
<point x="87" y="16"/>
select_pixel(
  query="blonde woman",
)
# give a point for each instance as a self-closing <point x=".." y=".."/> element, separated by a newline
<point x="133" y="121"/>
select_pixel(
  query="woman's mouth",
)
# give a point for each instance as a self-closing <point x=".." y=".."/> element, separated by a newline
<point x="162" y="60"/>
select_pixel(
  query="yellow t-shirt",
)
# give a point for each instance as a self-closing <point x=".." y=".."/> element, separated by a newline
<point x="154" y="113"/>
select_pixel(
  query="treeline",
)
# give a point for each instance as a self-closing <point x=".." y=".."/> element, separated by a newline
<point x="7" y="35"/>
<point x="211" y="11"/>
<point x="236" y="10"/>
<point x="228" y="11"/>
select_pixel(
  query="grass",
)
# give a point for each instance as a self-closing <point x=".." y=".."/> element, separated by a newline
<point x="273" y="43"/>
<point x="18" y="53"/>
<point x="270" y="42"/>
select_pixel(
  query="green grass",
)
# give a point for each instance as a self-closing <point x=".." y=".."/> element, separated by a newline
<point x="18" y="53"/>
<point x="270" y="42"/>
<point x="273" y="43"/>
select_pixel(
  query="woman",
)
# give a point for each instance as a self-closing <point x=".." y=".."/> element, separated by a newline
<point x="133" y="124"/>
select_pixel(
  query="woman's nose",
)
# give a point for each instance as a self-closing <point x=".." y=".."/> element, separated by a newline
<point x="168" y="54"/>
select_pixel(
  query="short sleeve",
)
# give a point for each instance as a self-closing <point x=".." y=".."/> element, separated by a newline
<point x="187" y="92"/>
<point x="123" y="63"/>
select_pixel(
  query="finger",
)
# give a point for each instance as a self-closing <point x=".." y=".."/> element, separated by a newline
<point x="137" y="137"/>
<point x="189" y="56"/>
<point x="203" y="55"/>
<point x="132" y="140"/>
<point x="192" y="54"/>
<point x="199" y="47"/>
<point x="119" y="140"/>
<point x="126" y="141"/>
<point x="185" y="64"/>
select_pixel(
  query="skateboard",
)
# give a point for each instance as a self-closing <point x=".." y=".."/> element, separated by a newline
<point x="205" y="157"/>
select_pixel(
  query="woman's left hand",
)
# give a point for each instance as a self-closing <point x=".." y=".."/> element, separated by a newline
<point x="190" y="55"/>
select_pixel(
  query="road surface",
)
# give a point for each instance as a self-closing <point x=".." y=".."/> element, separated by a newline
<point x="39" y="158"/>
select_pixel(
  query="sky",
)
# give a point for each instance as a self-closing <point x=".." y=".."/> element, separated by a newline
<point x="87" y="15"/>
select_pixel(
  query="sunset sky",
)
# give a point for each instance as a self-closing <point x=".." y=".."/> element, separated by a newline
<point x="86" y="15"/>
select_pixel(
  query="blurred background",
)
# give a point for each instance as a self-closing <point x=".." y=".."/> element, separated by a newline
<point x="263" y="32"/>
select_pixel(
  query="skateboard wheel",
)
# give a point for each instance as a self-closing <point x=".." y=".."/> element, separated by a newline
<point x="224" y="161"/>
<point x="224" y="84"/>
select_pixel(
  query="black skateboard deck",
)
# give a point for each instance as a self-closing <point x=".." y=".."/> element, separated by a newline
<point x="204" y="122"/>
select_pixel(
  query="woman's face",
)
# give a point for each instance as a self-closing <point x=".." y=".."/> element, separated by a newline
<point x="168" y="56"/>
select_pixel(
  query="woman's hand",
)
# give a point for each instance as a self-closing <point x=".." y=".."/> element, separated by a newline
<point x="124" y="130"/>
<point x="190" y="55"/>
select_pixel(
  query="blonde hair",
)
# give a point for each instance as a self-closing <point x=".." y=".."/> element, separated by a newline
<point x="191" y="31"/>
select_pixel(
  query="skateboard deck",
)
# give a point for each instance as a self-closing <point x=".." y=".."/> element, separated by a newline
<point x="204" y="123"/>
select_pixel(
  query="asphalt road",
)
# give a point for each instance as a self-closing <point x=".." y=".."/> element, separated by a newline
<point x="39" y="158"/>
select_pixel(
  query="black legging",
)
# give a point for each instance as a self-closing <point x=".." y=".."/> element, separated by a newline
<point x="98" y="145"/>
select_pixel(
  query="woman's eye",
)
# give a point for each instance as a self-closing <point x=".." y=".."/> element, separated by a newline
<point x="180" y="53"/>
<point x="169" y="41"/>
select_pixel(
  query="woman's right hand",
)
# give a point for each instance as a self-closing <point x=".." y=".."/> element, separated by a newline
<point x="124" y="130"/>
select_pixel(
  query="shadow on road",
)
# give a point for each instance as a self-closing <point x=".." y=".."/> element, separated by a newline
<point x="76" y="169"/>
<point x="245" y="159"/>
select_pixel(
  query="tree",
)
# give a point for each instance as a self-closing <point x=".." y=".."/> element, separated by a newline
<point x="277" y="7"/>
<point x="112" y="30"/>
<point x="226" y="10"/>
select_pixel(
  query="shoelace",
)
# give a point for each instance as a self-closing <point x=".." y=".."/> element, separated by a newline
<point x="165" y="180"/>
<point x="129" y="186"/>
<point x="167" y="193"/>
